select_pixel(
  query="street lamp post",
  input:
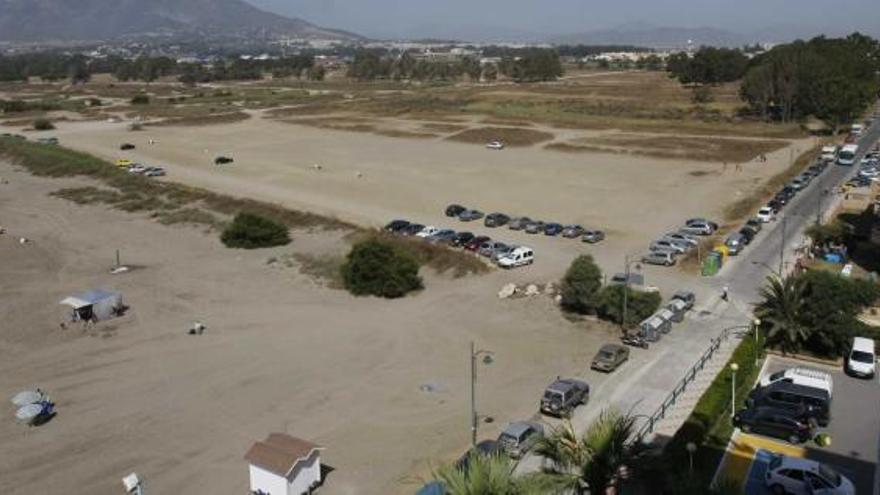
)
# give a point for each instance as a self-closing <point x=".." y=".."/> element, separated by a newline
<point x="487" y="359"/>
<point x="733" y="368"/>
<point x="691" y="448"/>
<point x="757" y="324"/>
<point x="782" y="246"/>
<point x="626" y="273"/>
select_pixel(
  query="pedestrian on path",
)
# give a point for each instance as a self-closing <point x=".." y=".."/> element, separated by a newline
<point x="724" y="294"/>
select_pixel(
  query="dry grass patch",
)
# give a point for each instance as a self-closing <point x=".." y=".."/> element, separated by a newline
<point x="325" y="269"/>
<point x="510" y="136"/>
<point x="202" y="120"/>
<point x="688" y="148"/>
<point x="745" y="206"/>
<point x="398" y="133"/>
<point x="443" y="127"/>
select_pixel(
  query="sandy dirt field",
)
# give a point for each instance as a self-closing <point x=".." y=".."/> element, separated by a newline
<point x="280" y="354"/>
<point x="635" y="199"/>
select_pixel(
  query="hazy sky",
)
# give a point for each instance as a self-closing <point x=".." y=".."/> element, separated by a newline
<point x="390" y="18"/>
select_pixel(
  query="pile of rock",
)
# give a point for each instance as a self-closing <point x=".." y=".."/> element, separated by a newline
<point x="529" y="290"/>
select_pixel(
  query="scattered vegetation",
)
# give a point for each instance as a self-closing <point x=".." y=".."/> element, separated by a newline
<point x="250" y="231"/>
<point x="43" y="125"/>
<point x="581" y="285"/>
<point x="202" y="120"/>
<point x="375" y="267"/>
<point x="140" y="100"/>
<point x="325" y="269"/>
<point x="639" y="305"/>
<point x="688" y="148"/>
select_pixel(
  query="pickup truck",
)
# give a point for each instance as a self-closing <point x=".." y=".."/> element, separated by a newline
<point x="563" y="396"/>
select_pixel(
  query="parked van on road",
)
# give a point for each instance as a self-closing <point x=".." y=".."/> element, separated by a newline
<point x="829" y="153"/>
<point x="862" y="360"/>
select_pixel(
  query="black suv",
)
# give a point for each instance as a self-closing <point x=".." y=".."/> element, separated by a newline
<point x="792" y="397"/>
<point x="454" y="210"/>
<point x="396" y="226"/>
<point x="563" y="396"/>
<point x="793" y="425"/>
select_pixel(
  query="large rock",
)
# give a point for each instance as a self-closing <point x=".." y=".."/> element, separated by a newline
<point x="507" y="291"/>
<point x="532" y="290"/>
<point x="550" y="289"/>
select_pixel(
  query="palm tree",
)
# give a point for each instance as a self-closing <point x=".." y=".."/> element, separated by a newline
<point x="782" y="311"/>
<point x="489" y="475"/>
<point x="591" y="462"/>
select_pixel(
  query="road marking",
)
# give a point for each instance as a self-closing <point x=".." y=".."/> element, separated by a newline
<point x="744" y="449"/>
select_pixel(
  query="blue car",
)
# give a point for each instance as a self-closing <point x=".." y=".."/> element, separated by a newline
<point x="553" y="229"/>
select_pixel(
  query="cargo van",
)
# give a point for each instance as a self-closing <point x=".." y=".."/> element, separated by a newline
<point x="862" y="358"/>
<point x="847" y="155"/>
<point x="857" y="129"/>
<point x="829" y="153"/>
<point x="801" y="376"/>
<point x="520" y="256"/>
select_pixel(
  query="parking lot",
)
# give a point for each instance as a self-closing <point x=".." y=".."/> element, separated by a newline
<point x="854" y="431"/>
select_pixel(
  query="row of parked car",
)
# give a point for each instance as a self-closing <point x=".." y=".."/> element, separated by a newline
<point x="503" y="254"/>
<point x="869" y="170"/>
<point x="137" y="168"/>
<point x="525" y="224"/>
<point x="666" y="249"/>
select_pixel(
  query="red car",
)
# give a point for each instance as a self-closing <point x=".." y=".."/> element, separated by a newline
<point x="476" y="242"/>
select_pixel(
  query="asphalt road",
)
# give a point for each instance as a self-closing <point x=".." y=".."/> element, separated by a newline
<point x="641" y="384"/>
<point x="745" y="274"/>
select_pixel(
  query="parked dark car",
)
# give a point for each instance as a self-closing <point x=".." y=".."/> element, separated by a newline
<point x="593" y="236"/>
<point x="462" y="238"/>
<point x="793" y="397"/>
<point x="792" y="425"/>
<point x="476" y="243"/>
<point x="443" y="237"/>
<point x="534" y="227"/>
<point x="518" y="438"/>
<point x="552" y="229"/>
<point x="223" y="160"/>
<point x="470" y="215"/>
<point x="454" y="210"/>
<point x="496" y="220"/>
<point x="126" y="146"/>
<point x="396" y="226"/>
<point x="412" y="229"/>
<point x="775" y="205"/>
<point x="755" y="224"/>
<point x="748" y="234"/>
<point x="485" y="448"/>
<point x="563" y="396"/>
<point x="609" y="357"/>
<point x="519" y="223"/>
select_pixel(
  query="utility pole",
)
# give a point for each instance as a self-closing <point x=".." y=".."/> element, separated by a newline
<point x="782" y="246"/>
<point x="625" y="294"/>
<point x="473" y="396"/>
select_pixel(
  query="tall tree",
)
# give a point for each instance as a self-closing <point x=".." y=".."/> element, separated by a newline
<point x="782" y="312"/>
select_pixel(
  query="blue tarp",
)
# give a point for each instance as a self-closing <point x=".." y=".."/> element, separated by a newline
<point x="432" y="488"/>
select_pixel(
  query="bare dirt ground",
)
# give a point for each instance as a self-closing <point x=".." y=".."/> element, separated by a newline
<point x="633" y="198"/>
<point x="281" y="354"/>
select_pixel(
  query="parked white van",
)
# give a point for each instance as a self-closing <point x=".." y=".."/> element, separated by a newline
<point x="520" y="256"/>
<point x="801" y="376"/>
<point x="857" y="130"/>
<point x="862" y="360"/>
<point x="829" y="153"/>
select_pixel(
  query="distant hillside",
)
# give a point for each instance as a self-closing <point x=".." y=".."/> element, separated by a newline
<point x="655" y="37"/>
<point x="47" y="20"/>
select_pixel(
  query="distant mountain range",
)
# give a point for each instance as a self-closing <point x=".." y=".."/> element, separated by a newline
<point x="58" y="20"/>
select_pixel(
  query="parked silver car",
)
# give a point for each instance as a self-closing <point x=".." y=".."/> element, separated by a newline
<point x="518" y="438"/>
<point x="519" y="223"/>
<point x="572" y="231"/>
<point x="665" y="258"/>
<point x="489" y="248"/>
<point x="535" y="227"/>
<point x="593" y="236"/>
<point x="667" y="245"/>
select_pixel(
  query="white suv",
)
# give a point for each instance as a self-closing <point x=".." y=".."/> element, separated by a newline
<point x="862" y="358"/>
<point x="766" y="215"/>
<point x="798" y="476"/>
<point x="801" y="376"/>
<point x="520" y="256"/>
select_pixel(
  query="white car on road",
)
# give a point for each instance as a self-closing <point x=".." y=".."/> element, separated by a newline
<point x="766" y="215"/>
<point x="520" y="256"/>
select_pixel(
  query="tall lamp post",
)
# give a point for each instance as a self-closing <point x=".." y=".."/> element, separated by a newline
<point x="733" y="368"/>
<point x="757" y="324"/>
<point x="487" y="359"/>
<point x="627" y="262"/>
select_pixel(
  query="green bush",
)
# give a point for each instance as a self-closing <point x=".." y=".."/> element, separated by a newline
<point x="43" y="125"/>
<point x="639" y="305"/>
<point x="832" y="305"/>
<point x="140" y="100"/>
<point x="249" y="231"/>
<point x="378" y="268"/>
<point x="580" y="286"/>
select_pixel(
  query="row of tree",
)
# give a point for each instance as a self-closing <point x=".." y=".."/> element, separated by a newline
<point x="708" y="65"/>
<point x="79" y="68"/>
<point x="834" y="80"/>
<point x="530" y="65"/>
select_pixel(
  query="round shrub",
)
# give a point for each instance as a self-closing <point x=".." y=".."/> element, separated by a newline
<point x="580" y="286"/>
<point x="249" y="231"/>
<point x="377" y="268"/>
<point x="43" y="125"/>
<point x="140" y="100"/>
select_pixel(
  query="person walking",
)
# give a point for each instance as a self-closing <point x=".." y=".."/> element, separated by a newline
<point x="724" y="293"/>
